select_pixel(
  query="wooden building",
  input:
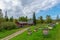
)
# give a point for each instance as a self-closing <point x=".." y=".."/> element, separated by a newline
<point x="21" y="24"/>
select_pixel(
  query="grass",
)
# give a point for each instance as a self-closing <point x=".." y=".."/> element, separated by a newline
<point x="54" y="34"/>
<point x="5" y="33"/>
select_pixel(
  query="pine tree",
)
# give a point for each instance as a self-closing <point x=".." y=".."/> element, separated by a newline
<point x="48" y="19"/>
<point x="34" y="18"/>
<point x="26" y="19"/>
<point x="41" y="19"/>
<point x="11" y="19"/>
<point x="57" y="18"/>
<point x="6" y="17"/>
<point x="1" y="14"/>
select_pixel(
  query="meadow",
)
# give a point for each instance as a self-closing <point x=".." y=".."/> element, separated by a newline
<point x="5" y="33"/>
<point x="54" y="34"/>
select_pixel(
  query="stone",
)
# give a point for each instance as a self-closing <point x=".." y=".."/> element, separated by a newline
<point x="50" y="28"/>
<point x="52" y="25"/>
<point x="57" y="23"/>
<point x="35" y="30"/>
<point x="45" y="31"/>
<point x="29" y="33"/>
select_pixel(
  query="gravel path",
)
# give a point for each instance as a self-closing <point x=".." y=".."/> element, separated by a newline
<point x="14" y="34"/>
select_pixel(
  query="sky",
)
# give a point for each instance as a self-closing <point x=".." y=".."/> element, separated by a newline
<point x="17" y="8"/>
<point x="53" y="12"/>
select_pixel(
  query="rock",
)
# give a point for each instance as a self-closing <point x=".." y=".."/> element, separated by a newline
<point x="45" y="31"/>
<point x="35" y="30"/>
<point x="57" y="23"/>
<point x="29" y="33"/>
<point x="50" y="27"/>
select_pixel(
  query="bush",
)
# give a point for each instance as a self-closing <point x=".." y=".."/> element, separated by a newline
<point x="8" y="26"/>
<point x="1" y="28"/>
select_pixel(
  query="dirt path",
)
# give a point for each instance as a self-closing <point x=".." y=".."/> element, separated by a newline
<point x="14" y="34"/>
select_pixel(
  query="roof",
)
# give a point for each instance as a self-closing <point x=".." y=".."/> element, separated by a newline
<point x="22" y="22"/>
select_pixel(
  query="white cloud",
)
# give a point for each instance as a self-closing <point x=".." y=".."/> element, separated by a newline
<point x="36" y="6"/>
<point x="26" y="7"/>
<point x="2" y="5"/>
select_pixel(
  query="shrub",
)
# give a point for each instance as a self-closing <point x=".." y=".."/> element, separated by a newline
<point x="1" y="28"/>
<point x="8" y="25"/>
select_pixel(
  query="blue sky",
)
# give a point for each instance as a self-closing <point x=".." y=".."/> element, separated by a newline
<point x="17" y="8"/>
<point x="53" y="12"/>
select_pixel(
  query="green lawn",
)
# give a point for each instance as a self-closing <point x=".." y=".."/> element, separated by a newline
<point x="5" y="33"/>
<point x="54" y="34"/>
